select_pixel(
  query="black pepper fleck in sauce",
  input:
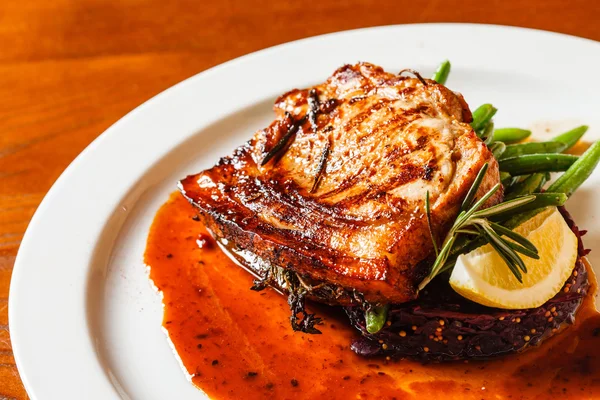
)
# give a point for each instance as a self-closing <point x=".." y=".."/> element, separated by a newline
<point x="237" y="343"/>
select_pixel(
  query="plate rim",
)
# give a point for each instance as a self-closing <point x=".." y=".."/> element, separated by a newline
<point x="18" y="323"/>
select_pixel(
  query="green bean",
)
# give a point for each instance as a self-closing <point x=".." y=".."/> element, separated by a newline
<point x="487" y="134"/>
<point x="482" y="116"/>
<point x="515" y="150"/>
<point x="531" y="184"/>
<point x="542" y="200"/>
<point x="567" y="183"/>
<point x="531" y="163"/>
<point x="571" y="137"/>
<point x="470" y="197"/>
<point x="511" y="135"/>
<point x="578" y="172"/>
<point x="497" y="148"/>
<point x="441" y="74"/>
<point x="375" y="318"/>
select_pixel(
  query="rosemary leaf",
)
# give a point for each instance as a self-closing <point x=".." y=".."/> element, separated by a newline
<point x="526" y="252"/>
<point x="512" y="258"/>
<point x="512" y="268"/>
<point x="474" y="188"/>
<point x="428" y="212"/>
<point x="321" y="166"/>
<point x="502" y="230"/>
<point x="462" y="219"/>
<point x="468" y="231"/>
<point x="511" y="205"/>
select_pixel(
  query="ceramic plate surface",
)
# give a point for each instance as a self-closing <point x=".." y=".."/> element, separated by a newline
<point x="85" y="321"/>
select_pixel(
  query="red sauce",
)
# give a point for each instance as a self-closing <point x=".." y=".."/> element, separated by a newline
<point x="237" y="343"/>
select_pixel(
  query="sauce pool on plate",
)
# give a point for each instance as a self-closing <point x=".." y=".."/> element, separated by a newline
<point x="237" y="343"/>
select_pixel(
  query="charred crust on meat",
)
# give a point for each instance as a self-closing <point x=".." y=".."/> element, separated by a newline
<point x="329" y="105"/>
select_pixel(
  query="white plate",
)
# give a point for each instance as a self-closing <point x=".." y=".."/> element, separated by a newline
<point x="84" y="319"/>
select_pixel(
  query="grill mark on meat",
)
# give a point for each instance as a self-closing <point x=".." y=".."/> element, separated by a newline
<point x="332" y="217"/>
<point x="398" y="120"/>
<point x="420" y="109"/>
<point x="290" y="198"/>
<point x="407" y="91"/>
<point x="363" y="115"/>
<point x="356" y="120"/>
<point x="407" y="174"/>
<point x="356" y="99"/>
<point x="257" y="189"/>
<point x="329" y="105"/>
<point x="344" y="185"/>
<point x="422" y="140"/>
<point x="398" y="153"/>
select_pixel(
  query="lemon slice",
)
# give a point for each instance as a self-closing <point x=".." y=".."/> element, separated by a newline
<point x="483" y="277"/>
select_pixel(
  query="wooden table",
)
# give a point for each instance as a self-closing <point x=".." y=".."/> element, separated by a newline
<point x="71" y="68"/>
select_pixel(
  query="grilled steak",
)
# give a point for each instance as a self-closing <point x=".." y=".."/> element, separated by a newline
<point x="330" y="196"/>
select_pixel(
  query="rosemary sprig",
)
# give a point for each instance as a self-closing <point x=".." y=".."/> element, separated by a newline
<point x="475" y="222"/>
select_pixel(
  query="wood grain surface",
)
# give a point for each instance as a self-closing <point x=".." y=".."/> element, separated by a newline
<point x="71" y="68"/>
